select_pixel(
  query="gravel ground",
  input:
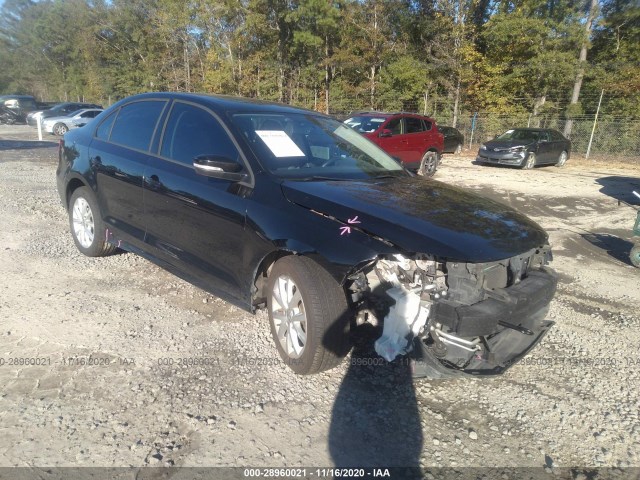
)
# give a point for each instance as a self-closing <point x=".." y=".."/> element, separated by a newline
<point x="114" y="340"/>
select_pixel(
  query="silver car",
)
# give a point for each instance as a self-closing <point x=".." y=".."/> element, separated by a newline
<point x="61" y="125"/>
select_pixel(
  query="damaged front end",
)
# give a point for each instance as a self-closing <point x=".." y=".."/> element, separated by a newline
<point x="453" y="317"/>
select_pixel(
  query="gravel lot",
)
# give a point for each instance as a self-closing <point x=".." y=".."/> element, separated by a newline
<point x="140" y="401"/>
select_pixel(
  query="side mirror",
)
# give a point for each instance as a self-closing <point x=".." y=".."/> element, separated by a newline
<point x="385" y="133"/>
<point x="217" y="166"/>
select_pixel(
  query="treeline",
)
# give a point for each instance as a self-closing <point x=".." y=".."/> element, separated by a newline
<point x="446" y="57"/>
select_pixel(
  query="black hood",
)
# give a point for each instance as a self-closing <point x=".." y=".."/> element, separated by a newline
<point x="508" y="143"/>
<point x="423" y="216"/>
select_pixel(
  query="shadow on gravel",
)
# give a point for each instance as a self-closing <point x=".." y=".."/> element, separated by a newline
<point x="615" y="247"/>
<point x="375" y="420"/>
<point x="621" y="188"/>
<point x="25" y="144"/>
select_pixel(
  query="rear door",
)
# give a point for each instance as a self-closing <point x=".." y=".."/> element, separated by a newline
<point x="195" y="222"/>
<point x="545" y="148"/>
<point x="118" y="155"/>
<point x="558" y="145"/>
<point x="417" y="139"/>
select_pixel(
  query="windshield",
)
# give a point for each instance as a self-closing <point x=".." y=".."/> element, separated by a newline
<point x="308" y="147"/>
<point x="526" y="135"/>
<point x="365" y="123"/>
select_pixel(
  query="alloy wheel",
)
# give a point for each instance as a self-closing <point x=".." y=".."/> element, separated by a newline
<point x="289" y="316"/>
<point x="83" y="224"/>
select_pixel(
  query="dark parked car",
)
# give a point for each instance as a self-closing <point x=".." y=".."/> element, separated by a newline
<point x="16" y="107"/>
<point x="453" y="139"/>
<point x="526" y="148"/>
<point x="59" y="110"/>
<point x="270" y="206"/>
<point x="411" y="138"/>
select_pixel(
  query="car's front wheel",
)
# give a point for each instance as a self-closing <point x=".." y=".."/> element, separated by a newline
<point x="309" y="315"/>
<point x="87" y="228"/>
<point x="60" y="129"/>
<point x="530" y="162"/>
<point x="429" y="164"/>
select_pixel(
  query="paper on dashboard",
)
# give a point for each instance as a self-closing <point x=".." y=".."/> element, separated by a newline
<point x="280" y="143"/>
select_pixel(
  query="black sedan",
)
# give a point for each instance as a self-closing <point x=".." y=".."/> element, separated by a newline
<point x="526" y="148"/>
<point x="453" y="139"/>
<point x="275" y="207"/>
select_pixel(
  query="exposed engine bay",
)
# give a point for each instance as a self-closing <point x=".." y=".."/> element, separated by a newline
<point x="452" y="317"/>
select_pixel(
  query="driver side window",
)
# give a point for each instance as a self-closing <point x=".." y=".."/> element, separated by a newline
<point x="394" y="126"/>
<point x="192" y="131"/>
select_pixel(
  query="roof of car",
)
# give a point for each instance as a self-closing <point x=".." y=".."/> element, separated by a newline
<point x="390" y="114"/>
<point x="27" y="97"/>
<point x="528" y="129"/>
<point x="223" y="102"/>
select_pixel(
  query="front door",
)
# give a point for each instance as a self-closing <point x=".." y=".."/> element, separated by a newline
<point x="194" y="222"/>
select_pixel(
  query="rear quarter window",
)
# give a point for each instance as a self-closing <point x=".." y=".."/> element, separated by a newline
<point x="104" y="129"/>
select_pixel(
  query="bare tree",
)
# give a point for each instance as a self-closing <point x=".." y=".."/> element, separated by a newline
<point x="591" y="15"/>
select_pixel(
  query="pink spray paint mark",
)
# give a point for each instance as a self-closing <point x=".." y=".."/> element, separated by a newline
<point x="346" y="229"/>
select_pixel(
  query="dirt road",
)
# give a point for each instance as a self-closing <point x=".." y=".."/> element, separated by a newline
<point x="115" y="362"/>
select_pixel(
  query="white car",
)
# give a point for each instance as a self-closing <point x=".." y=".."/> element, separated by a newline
<point x="61" y="125"/>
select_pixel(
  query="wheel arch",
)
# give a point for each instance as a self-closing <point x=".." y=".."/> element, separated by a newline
<point x="73" y="184"/>
<point x="340" y="273"/>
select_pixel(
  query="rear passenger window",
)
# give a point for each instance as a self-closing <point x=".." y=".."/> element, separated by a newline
<point x="427" y="125"/>
<point x="192" y="131"/>
<point x="414" y="125"/>
<point x="103" y="130"/>
<point x="136" y="123"/>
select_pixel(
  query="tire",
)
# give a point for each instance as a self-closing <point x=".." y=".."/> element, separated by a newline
<point x="87" y="228"/>
<point x="298" y="288"/>
<point x="60" y="129"/>
<point x="562" y="159"/>
<point x="634" y="256"/>
<point x="530" y="162"/>
<point x="428" y="164"/>
<point x="458" y="150"/>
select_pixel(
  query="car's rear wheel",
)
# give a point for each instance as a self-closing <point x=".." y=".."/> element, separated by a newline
<point x="562" y="159"/>
<point x="309" y="315"/>
<point x="530" y="162"/>
<point x="60" y="129"/>
<point x="87" y="228"/>
<point x="634" y="256"/>
<point x="429" y="164"/>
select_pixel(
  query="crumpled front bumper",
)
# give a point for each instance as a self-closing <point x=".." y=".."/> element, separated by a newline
<point x="501" y="158"/>
<point x="525" y="308"/>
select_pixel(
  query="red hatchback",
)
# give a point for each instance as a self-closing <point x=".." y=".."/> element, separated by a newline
<point x="411" y="138"/>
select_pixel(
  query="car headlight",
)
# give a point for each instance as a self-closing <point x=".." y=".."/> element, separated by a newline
<point x="518" y="149"/>
<point x="483" y="147"/>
